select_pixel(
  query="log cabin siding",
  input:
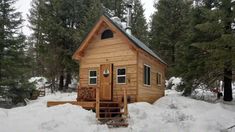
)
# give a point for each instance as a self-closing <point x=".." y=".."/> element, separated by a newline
<point x="110" y="51"/>
<point x="153" y="92"/>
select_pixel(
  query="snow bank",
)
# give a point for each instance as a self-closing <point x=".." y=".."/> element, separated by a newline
<point x="204" y="94"/>
<point x="36" y="117"/>
<point x="175" y="113"/>
<point x="38" y="81"/>
<point x="172" y="113"/>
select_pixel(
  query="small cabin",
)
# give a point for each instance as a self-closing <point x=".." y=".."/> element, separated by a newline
<point x="112" y="59"/>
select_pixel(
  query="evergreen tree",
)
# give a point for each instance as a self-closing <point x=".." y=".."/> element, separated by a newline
<point x="138" y="22"/>
<point x="59" y="26"/>
<point x="117" y="6"/>
<point x="13" y="60"/>
<point x="168" y="29"/>
<point x="208" y="53"/>
<point x="220" y="46"/>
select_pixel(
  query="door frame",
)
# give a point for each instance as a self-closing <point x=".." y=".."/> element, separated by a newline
<point x="111" y="80"/>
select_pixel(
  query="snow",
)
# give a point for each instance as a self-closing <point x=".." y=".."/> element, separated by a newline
<point x="174" y="81"/>
<point x="38" y="81"/>
<point x="172" y="113"/>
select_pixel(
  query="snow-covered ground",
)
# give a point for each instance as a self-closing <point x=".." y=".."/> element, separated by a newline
<point x="172" y="113"/>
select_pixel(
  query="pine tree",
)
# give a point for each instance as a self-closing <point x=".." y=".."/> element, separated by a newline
<point x="59" y="26"/>
<point x="168" y="29"/>
<point x="117" y="6"/>
<point x="220" y="47"/>
<point x="209" y="54"/>
<point x="192" y="67"/>
<point x="138" y="22"/>
<point x="13" y="59"/>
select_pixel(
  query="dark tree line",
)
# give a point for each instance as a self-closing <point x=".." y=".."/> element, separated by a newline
<point x="59" y="27"/>
<point x="196" y="38"/>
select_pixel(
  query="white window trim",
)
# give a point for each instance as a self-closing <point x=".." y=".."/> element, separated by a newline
<point x="160" y="79"/>
<point x="120" y="75"/>
<point x="89" y="77"/>
<point x="149" y="75"/>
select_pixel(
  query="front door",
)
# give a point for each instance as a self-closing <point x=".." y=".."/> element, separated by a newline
<point x="106" y="77"/>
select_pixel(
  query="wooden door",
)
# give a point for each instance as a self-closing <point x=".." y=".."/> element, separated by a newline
<point x="106" y="77"/>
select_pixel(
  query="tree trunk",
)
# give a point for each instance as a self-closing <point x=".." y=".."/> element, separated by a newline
<point x="61" y="83"/>
<point x="68" y="80"/>
<point x="228" y="95"/>
<point x="52" y="85"/>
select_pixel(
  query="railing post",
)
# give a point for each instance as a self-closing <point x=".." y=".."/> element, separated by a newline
<point x="125" y="102"/>
<point x="97" y="102"/>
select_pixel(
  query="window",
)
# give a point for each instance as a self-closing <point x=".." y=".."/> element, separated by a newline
<point x="159" y="78"/>
<point x="146" y="75"/>
<point x="92" y="77"/>
<point x="107" y="34"/>
<point x="121" y="75"/>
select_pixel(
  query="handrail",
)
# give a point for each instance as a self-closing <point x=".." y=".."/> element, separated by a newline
<point x="125" y="101"/>
<point x="97" y="102"/>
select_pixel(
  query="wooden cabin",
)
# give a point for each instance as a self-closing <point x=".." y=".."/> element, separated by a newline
<point x="112" y="59"/>
<point x="115" y="69"/>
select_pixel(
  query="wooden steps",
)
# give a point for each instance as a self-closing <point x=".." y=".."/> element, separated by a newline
<point x="110" y="114"/>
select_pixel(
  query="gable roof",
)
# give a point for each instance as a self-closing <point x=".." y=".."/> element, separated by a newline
<point x="132" y="38"/>
<point x="135" y="40"/>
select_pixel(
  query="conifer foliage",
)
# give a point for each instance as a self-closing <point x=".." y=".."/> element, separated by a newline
<point x="14" y="64"/>
<point x="197" y="41"/>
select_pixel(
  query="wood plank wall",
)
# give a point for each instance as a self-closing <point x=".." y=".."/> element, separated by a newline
<point x="112" y="50"/>
<point x="153" y="92"/>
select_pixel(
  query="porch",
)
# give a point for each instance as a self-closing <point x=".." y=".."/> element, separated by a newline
<point x="106" y="111"/>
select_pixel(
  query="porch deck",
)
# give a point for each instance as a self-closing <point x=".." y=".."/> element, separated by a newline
<point x="84" y="104"/>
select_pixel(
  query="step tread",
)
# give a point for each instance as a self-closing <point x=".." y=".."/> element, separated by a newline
<point x="110" y="118"/>
<point x="118" y="124"/>
<point x="111" y="112"/>
<point x="110" y="107"/>
<point x="109" y="102"/>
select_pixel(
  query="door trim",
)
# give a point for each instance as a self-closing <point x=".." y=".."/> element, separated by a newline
<point x="110" y="82"/>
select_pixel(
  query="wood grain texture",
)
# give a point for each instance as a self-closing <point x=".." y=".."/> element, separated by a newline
<point x="84" y="104"/>
<point x="122" y="53"/>
<point x="110" y="51"/>
<point x="153" y="92"/>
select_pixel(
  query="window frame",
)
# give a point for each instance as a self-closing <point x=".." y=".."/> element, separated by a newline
<point x="148" y="66"/>
<point x="120" y="75"/>
<point x="89" y="77"/>
<point x="159" y="84"/>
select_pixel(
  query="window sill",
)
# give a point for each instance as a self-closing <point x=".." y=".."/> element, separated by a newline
<point x="121" y="83"/>
<point x="145" y="85"/>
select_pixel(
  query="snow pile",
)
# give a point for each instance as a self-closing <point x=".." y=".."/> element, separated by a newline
<point x="174" y="82"/>
<point x="38" y="81"/>
<point x="172" y="113"/>
<point x="74" y="83"/>
<point x="204" y="94"/>
<point x="175" y="113"/>
<point x="36" y="117"/>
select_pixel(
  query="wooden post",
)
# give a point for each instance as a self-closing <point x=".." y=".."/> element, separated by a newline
<point x="125" y="102"/>
<point x="97" y="102"/>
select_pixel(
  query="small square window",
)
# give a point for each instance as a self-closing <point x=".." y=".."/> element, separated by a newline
<point x="121" y="75"/>
<point x="92" y="77"/>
